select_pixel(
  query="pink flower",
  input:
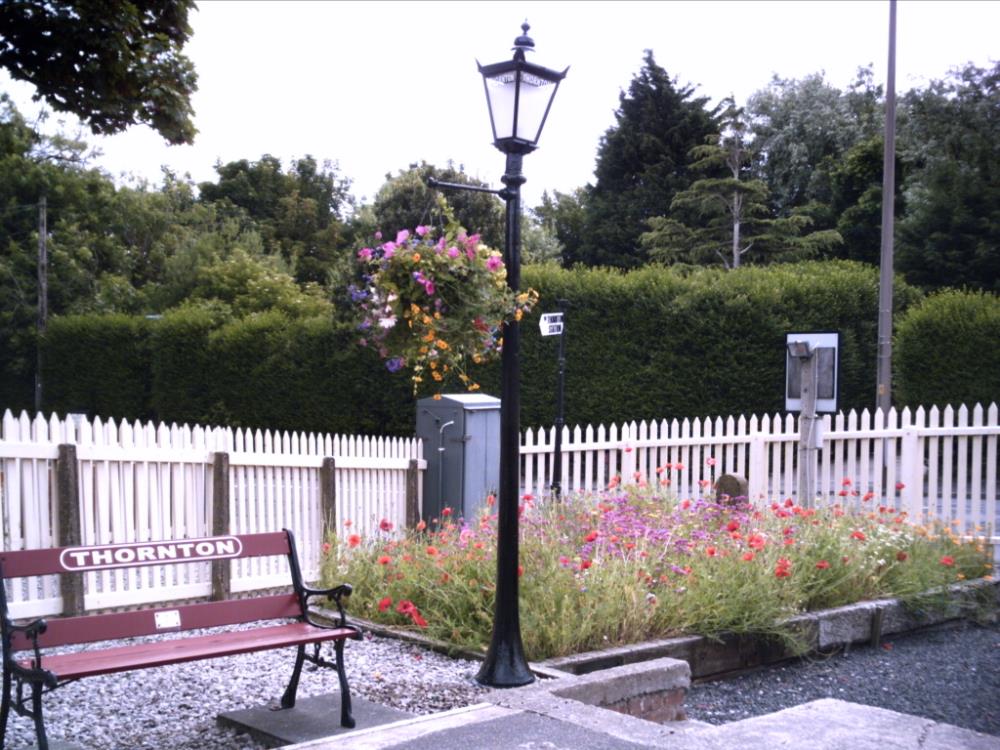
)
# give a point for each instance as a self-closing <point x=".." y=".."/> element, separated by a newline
<point x="402" y="236"/>
<point x="900" y="486"/>
<point x="422" y="231"/>
<point x="452" y="252"/>
<point x="494" y="263"/>
<point x="365" y="253"/>
<point x="429" y="287"/>
<point x="710" y="461"/>
<point x="385" y="524"/>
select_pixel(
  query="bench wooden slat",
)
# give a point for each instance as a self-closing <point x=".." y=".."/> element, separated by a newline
<point x="145" y="655"/>
<point x="39" y="562"/>
<point x="64" y="631"/>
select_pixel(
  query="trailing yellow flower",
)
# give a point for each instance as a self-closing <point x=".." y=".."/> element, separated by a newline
<point x="441" y="344"/>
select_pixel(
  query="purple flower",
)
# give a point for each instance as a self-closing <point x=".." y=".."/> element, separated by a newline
<point x="429" y="287"/>
<point x="378" y="235"/>
<point x="395" y="364"/>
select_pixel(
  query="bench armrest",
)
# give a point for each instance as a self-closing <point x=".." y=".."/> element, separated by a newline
<point x="337" y="595"/>
<point x="31" y="630"/>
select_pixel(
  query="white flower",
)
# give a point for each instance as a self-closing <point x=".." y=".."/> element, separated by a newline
<point x="387" y="322"/>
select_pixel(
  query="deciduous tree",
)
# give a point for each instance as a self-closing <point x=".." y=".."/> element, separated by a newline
<point x="111" y="63"/>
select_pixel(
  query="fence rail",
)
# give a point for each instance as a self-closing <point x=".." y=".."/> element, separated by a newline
<point x="78" y="482"/>
<point x="933" y="463"/>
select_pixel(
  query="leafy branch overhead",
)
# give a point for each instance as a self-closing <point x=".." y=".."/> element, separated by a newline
<point x="112" y="64"/>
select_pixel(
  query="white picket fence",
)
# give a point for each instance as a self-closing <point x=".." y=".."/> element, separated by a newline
<point x="141" y="482"/>
<point x="933" y="463"/>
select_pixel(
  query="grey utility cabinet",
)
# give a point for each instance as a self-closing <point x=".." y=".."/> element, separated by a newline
<point x="461" y="435"/>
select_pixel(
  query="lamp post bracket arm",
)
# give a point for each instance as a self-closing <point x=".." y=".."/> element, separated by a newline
<point x="433" y="183"/>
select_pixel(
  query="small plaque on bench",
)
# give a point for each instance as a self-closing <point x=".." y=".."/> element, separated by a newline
<point x="171" y="618"/>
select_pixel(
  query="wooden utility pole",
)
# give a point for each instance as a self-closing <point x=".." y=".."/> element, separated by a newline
<point x="883" y="398"/>
<point x="43" y="297"/>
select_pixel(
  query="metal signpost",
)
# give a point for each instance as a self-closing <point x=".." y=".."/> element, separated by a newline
<point x="810" y="387"/>
<point x="553" y="324"/>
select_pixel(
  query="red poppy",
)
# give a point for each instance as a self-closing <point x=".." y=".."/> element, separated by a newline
<point x="384" y="560"/>
<point x="901" y="556"/>
<point x="432" y="551"/>
<point x="385" y="524"/>
<point x="591" y="536"/>
<point x="822" y="565"/>
<point x="748" y="556"/>
<point x="859" y="535"/>
<point x="584" y="564"/>
<point x="789" y="502"/>
<point x="353" y="540"/>
<point x="756" y="541"/>
<point x="732" y="525"/>
<point x="327" y="548"/>
<point x="900" y="486"/>
<point x="947" y="561"/>
<point x="421" y="525"/>
<point x="446" y="512"/>
<point x="384" y="604"/>
<point x="520" y="571"/>
<point x="711" y="551"/>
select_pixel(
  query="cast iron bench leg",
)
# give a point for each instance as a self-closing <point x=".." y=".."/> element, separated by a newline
<point x="36" y="710"/>
<point x="346" y="720"/>
<point x="288" y="699"/>
<point x="5" y="708"/>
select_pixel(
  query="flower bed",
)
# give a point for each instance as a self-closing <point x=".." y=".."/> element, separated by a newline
<point x="632" y="564"/>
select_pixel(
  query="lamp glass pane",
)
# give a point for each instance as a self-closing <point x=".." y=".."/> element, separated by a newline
<point x="501" y="89"/>
<point x="535" y="95"/>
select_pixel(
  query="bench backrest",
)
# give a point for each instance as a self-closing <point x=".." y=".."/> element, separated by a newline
<point x="99" y="627"/>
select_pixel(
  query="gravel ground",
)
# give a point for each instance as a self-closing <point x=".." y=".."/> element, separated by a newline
<point x="175" y="706"/>
<point x="948" y="674"/>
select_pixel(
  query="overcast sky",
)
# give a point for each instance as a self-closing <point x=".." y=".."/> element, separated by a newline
<point x="376" y="86"/>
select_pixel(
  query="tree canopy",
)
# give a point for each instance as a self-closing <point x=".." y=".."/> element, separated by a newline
<point x="111" y="63"/>
<point x="642" y="163"/>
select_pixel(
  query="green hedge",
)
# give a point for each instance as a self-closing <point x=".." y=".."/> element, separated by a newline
<point x="668" y="342"/>
<point x="98" y="365"/>
<point x="654" y="343"/>
<point x="947" y="350"/>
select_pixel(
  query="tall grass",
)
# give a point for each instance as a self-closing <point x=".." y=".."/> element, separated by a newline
<point x="632" y="564"/>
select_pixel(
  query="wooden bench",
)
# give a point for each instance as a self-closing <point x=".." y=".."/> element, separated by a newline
<point x="42" y="672"/>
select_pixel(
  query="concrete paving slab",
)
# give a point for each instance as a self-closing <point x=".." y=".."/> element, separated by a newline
<point x="830" y="724"/>
<point x="519" y="730"/>
<point x="437" y="725"/>
<point x="311" y="718"/>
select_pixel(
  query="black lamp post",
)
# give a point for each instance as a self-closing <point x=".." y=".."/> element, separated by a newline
<point x="519" y="95"/>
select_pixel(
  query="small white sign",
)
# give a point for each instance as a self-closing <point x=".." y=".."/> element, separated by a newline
<point x="167" y="619"/>
<point x="551" y="324"/>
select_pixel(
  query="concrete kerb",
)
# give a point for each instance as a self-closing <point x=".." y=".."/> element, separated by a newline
<point x="820" y="631"/>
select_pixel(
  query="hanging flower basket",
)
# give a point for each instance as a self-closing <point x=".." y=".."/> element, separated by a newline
<point x="435" y="303"/>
